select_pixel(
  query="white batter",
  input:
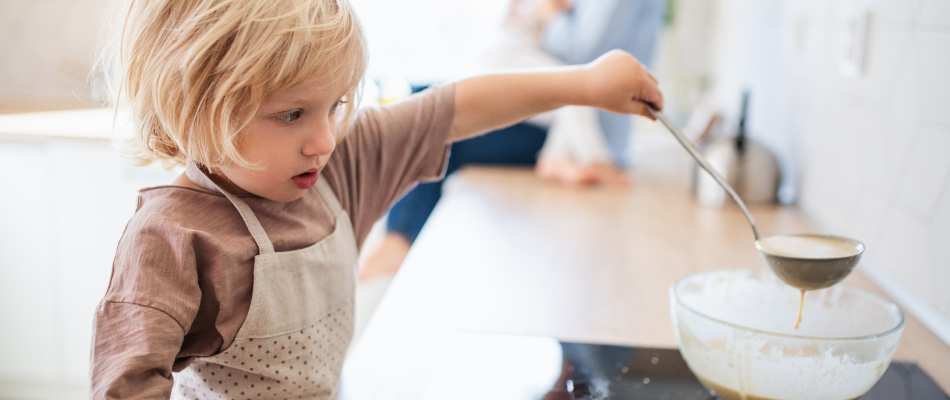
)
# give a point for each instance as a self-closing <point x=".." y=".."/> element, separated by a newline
<point x="808" y="246"/>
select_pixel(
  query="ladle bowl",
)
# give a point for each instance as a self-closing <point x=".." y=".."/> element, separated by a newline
<point x="800" y="271"/>
<point x="811" y="273"/>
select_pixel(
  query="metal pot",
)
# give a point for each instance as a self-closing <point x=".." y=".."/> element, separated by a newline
<point x="747" y="166"/>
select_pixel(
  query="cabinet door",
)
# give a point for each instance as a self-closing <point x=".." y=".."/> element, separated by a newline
<point x="28" y="297"/>
<point x="64" y="204"/>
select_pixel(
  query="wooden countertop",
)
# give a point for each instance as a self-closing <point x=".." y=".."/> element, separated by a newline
<point x="504" y="252"/>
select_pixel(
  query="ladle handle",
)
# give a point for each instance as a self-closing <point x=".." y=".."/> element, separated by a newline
<point x="703" y="163"/>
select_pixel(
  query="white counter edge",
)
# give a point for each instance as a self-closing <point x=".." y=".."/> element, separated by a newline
<point x="93" y="123"/>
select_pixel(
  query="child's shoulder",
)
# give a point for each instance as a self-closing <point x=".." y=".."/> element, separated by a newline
<point x="161" y="254"/>
<point x="179" y="215"/>
<point x="177" y="204"/>
<point x="174" y="233"/>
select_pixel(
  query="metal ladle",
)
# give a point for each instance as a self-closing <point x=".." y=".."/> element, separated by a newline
<point x="803" y="272"/>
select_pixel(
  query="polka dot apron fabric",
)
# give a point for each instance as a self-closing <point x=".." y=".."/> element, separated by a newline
<point x="299" y="325"/>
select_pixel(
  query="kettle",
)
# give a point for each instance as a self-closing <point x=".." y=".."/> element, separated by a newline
<point x="747" y="166"/>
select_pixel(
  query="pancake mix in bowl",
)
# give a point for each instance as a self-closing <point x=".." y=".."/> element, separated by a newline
<point x="734" y="333"/>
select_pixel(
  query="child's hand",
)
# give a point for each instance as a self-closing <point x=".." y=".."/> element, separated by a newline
<point x="617" y="82"/>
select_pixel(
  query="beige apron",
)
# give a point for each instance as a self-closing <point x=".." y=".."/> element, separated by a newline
<point x="300" y="322"/>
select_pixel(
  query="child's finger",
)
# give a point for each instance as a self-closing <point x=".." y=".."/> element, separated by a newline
<point x="640" y="108"/>
<point x="651" y="94"/>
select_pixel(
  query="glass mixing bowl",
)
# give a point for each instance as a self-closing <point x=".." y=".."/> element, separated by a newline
<point x="735" y="330"/>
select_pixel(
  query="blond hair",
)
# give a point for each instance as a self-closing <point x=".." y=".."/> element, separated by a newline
<point x="194" y="72"/>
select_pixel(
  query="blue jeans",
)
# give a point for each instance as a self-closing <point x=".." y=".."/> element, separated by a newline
<point x="515" y="145"/>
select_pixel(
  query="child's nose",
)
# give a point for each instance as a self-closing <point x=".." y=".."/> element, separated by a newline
<point x="321" y="141"/>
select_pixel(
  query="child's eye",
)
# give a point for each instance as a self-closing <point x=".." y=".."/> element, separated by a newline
<point x="336" y="105"/>
<point x="289" y="117"/>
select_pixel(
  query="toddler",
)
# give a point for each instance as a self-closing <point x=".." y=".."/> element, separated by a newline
<point x="237" y="280"/>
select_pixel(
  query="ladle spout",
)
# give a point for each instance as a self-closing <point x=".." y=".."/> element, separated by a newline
<point x="703" y="163"/>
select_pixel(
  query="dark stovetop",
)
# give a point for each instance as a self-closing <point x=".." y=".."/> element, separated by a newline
<point x="508" y="367"/>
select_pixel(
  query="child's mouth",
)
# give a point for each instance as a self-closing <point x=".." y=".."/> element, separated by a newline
<point x="305" y="180"/>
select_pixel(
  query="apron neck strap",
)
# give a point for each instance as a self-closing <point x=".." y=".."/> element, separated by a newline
<point x="328" y="196"/>
<point x="199" y="177"/>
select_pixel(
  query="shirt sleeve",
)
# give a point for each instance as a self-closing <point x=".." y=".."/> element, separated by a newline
<point x="388" y="151"/>
<point x="140" y="325"/>
<point x="133" y="351"/>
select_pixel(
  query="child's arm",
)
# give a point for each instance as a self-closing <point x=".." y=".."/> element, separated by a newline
<point x="615" y="82"/>
<point x="134" y="350"/>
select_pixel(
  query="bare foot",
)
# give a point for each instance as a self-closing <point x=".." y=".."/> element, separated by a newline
<point x="385" y="258"/>
<point x="563" y="170"/>
<point x="568" y="171"/>
<point x="609" y="175"/>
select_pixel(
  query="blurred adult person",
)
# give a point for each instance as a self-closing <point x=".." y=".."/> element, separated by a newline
<point x="573" y="145"/>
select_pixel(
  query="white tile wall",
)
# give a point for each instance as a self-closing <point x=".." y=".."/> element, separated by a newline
<point x="875" y="144"/>
<point x="867" y="221"/>
<point x="940" y="239"/>
<point x="935" y="13"/>
<point x="890" y="47"/>
<point x="873" y="150"/>
<point x="927" y="172"/>
<point x="896" y="12"/>
<point x="933" y="74"/>
<point x="903" y="119"/>
<point x="907" y="253"/>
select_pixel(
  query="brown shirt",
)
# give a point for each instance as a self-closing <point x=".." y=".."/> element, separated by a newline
<point x="182" y="275"/>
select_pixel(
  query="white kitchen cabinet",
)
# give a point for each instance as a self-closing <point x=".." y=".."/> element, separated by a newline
<point x="64" y="204"/>
<point x="27" y="294"/>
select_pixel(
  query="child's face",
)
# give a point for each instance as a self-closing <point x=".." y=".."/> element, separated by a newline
<point x="291" y="136"/>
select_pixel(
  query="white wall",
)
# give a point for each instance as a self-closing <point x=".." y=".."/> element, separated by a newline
<point x="47" y="49"/>
<point x="869" y="155"/>
<point x="426" y="41"/>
